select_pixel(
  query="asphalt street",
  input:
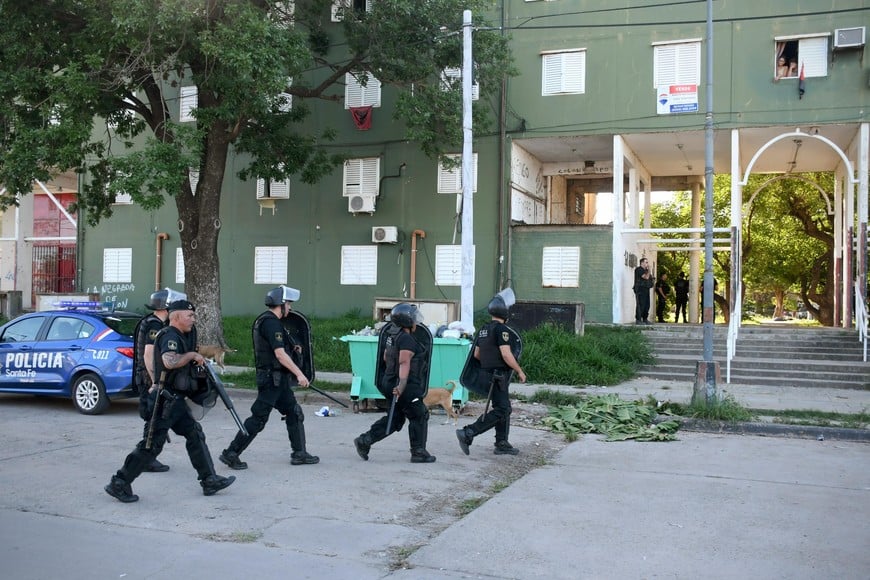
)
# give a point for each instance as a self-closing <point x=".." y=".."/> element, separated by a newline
<point x="705" y="506"/>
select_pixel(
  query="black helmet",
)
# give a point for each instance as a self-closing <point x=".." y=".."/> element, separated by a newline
<point x="501" y="303"/>
<point x="406" y="315"/>
<point x="160" y="300"/>
<point x="280" y="295"/>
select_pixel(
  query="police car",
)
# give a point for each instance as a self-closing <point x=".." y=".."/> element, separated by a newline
<point x="82" y="350"/>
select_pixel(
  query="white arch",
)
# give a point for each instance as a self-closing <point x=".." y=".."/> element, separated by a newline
<point x="798" y="133"/>
<point x="821" y="190"/>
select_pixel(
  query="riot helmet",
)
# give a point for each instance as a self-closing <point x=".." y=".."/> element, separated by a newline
<point x="406" y="315"/>
<point x="161" y="299"/>
<point x="501" y="303"/>
<point x="280" y="295"/>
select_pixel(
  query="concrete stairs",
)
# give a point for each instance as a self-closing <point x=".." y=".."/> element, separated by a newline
<point x="775" y="355"/>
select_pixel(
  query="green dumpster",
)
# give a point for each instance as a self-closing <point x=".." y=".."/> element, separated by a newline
<point x="448" y="358"/>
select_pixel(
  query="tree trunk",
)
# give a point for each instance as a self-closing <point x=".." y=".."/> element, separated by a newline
<point x="199" y="226"/>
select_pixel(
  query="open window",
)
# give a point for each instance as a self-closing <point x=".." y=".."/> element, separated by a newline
<point x="793" y="53"/>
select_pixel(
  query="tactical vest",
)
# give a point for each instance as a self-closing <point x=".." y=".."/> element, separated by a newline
<point x="140" y="335"/>
<point x="490" y="354"/>
<point x="264" y="356"/>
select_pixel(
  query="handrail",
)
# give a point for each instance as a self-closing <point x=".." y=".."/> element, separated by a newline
<point x="733" y="331"/>
<point x="861" y="317"/>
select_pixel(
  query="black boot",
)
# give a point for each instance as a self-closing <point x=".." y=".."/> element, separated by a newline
<point x="121" y="490"/>
<point x="420" y="455"/>
<point x="363" y="444"/>
<point x="231" y="460"/>
<point x="214" y="483"/>
<point x="464" y="440"/>
<point x="303" y="458"/>
<point x="505" y="448"/>
<point x="156" y="467"/>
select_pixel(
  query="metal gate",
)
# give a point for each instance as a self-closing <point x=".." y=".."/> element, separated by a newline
<point x="54" y="269"/>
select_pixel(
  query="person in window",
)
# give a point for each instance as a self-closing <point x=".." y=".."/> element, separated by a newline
<point x="782" y="68"/>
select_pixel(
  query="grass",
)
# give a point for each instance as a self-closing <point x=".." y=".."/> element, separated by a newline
<point x="817" y="418"/>
<point x="724" y="409"/>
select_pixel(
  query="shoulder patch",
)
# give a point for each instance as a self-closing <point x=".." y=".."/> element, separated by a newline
<point x="505" y="336"/>
<point x="279" y="336"/>
<point x="172" y="345"/>
<point x="153" y="334"/>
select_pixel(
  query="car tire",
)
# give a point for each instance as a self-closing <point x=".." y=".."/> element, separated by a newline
<point x="89" y="394"/>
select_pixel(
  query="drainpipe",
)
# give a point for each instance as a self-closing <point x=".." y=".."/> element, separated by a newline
<point x="414" y="235"/>
<point x="160" y="237"/>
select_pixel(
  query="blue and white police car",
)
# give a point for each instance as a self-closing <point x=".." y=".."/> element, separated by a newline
<point x="82" y="350"/>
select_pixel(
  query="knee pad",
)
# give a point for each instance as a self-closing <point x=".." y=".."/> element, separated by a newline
<point x="297" y="411"/>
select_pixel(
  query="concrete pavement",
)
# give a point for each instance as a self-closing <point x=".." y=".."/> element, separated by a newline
<point x="705" y="506"/>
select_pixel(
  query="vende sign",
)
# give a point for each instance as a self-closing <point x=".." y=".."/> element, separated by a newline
<point x="677" y="99"/>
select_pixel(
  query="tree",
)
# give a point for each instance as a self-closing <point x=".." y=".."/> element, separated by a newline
<point x="65" y="64"/>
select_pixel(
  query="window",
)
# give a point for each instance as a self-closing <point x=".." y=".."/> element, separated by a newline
<point x="560" y="267"/>
<point x="362" y="177"/>
<point x="285" y="100"/>
<point x="792" y="53"/>
<point x="564" y="72"/>
<point x="179" y="266"/>
<point x="448" y="265"/>
<point x="357" y="95"/>
<point x="187" y="103"/>
<point x="277" y="189"/>
<point x="451" y="77"/>
<point x="359" y="265"/>
<point x="64" y="328"/>
<point x="677" y="63"/>
<point x="117" y="265"/>
<point x="450" y="178"/>
<point x="193" y="178"/>
<point x="23" y="330"/>
<point x="270" y="265"/>
<point x="340" y="6"/>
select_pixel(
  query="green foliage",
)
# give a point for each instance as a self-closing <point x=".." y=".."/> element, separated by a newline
<point x="605" y="355"/>
<point x="725" y="408"/>
<point x="613" y="417"/>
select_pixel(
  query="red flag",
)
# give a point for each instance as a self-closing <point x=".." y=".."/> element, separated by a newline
<point x="362" y="117"/>
<point x="801" y="87"/>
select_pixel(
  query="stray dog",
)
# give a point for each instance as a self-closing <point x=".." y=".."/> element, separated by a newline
<point x="443" y="397"/>
<point x="215" y="352"/>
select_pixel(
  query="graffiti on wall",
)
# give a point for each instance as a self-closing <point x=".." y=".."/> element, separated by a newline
<point x="117" y="294"/>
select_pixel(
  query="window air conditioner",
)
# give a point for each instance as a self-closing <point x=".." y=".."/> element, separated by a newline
<point x="385" y="234"/>
<point x="361" y="203"/>
<point x="849" y="37"/>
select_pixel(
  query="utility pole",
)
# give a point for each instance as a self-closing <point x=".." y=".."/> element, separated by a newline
<point x="467" y="248"/>
<point x="707" y="370"/>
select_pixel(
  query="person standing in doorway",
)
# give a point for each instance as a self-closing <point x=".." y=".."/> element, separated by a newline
<point x="681" y="289"/>
<point x="662" y="291"/>
<point x="643" y="281"/>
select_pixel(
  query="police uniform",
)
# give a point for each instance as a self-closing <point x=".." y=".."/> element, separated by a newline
<point x="274" y="382"/>
<point x="496" y="372"/>
<point x="409" y="404"/>
<point x="145" y="333"/>
<point x="172" y="413"/>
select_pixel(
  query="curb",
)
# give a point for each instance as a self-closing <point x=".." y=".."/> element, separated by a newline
<point x="775" y="430"/>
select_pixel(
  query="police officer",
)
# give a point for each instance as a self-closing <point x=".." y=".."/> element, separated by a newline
<point x="276" y="373"/>
<point x="403" y="359"/>
<point x="175" y="365"/>
<point x="143" y="358"/>
<point x="497" y="360"/>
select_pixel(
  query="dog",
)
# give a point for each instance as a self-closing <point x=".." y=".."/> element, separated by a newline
<point x="444" y="398"/>
<point x="215" y="352"/>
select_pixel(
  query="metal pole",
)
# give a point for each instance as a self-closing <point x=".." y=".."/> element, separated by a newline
<point x="467" y="248"/>
<point x="709" y="368"/>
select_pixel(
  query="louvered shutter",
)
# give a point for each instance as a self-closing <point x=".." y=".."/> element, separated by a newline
<point x="813" y="56"/>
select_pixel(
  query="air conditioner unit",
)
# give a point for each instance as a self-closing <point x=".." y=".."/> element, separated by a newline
<point x="849" y="37"/>
<point x="385" y="234"/>
<point x="361" y="203"/>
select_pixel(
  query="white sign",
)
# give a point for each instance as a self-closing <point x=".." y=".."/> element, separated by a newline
<point x="677" y="99"/>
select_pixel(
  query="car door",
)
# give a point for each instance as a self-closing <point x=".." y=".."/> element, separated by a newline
<point x="18" y="342"/>
<point x="60" y="350"/>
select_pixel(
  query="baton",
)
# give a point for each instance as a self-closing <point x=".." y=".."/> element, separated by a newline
<point x="489" y="396"/>
<point x="328" y="396"/>
<point x="390" y="414"/>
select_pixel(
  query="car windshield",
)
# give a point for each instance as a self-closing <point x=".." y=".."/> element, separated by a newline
<point x="122" y="323"/>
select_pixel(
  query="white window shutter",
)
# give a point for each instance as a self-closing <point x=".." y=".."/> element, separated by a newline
<point x="359" y="265"/>
<point x="552" y="74"/>
<point x="371" y="175"/>
<point x="665" y="65"/>
<point x="188" y="102"/>
<point x="453" y="76"/>
<point x="277" y="189"/>
<point x="450" y="180"/>
<point x="574" y="72"/>
<point x="356" y="95"/>
<point x="560" y="267"/>
<point x="813" y="56"/>
<point x="117" y="265"/>
<point x="193" y="178"/>
<point x="448" y="265"/>
<point x="689" y="64"/>
<point x="677" y="64"/>
<point x="179" y="266"/>
<point x="270" y="265"/>
<point x="352" y="177"/>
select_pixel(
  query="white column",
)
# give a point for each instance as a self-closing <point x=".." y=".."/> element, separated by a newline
<point x="467" y="248"/>
<point x="618" y="251"/>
